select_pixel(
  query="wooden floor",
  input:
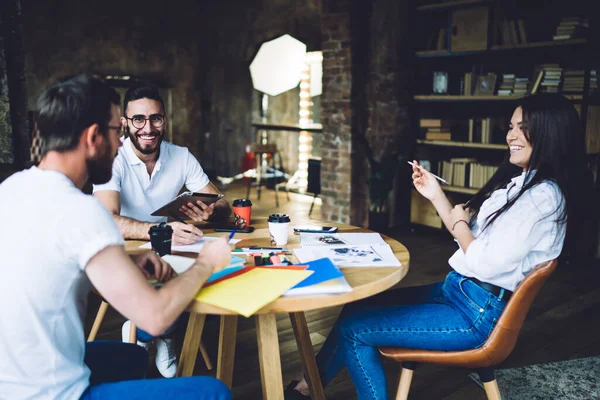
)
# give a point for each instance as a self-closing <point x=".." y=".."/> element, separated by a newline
<point x="563" y="323"/>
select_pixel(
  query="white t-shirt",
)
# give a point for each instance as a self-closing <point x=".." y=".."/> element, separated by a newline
<point x="521" y="238"/>
<point x="142" y="194"/>
<point x="49" y="231"/>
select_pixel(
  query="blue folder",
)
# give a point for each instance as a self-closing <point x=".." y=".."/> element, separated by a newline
<point x="324" y="270"/>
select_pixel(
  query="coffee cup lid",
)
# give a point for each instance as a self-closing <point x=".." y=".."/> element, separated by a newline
<point x="162" y="227"/>
<point x="279" y="218"/>
<point x="242" y="203"/>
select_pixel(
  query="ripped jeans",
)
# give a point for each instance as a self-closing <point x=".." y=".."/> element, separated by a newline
<point x="455" y="314"/>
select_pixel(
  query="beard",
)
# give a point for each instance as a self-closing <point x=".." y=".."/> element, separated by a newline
<point x="146" y="149"/>
<point x="100" y="168"/>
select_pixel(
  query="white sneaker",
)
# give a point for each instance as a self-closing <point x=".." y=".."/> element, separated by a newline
<point x="125" y="335"/>
<point x="166" y="359"/>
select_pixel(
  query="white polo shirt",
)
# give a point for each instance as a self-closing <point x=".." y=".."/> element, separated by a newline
<point x="526" y="235"/>
<point x="142" y="194"/>
<point x="49" y="232"/>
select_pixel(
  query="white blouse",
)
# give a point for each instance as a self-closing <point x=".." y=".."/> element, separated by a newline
<point x="522" y="237"/>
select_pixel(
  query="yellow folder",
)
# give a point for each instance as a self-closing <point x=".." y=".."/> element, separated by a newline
<point x="248" y="292"/>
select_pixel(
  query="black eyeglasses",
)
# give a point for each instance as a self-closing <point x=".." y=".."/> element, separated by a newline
<point x="118" y="128"/>
<point x="139" y="121"/>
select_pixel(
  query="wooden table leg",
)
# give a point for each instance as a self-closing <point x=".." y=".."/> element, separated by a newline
<point x="189" y="351"/>
<point x="269" y="358"/>
<point x="307" y="355"/>
<point x="227" y="337"/>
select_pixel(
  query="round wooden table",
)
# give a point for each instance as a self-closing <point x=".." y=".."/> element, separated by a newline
<point x="365" y="282"/>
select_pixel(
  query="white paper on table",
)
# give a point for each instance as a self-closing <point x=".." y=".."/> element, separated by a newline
<point x="178" y="263"/>
<point x="378" y="255"/>
<point x="340" y="239"/>
<point x="192" y="248"/>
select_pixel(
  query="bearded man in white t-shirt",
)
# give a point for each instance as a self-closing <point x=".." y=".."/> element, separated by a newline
<point x="149" y="172"/>
<point x="57" y="242"/>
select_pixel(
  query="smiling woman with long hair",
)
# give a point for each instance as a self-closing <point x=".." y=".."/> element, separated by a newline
<point x="517" y="220"/>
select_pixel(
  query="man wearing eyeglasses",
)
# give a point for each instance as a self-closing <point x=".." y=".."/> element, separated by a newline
<point x="148" y="172"/>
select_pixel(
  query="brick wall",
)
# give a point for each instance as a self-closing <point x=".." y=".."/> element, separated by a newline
<point x="336" y="112"/>
<point x="364" y="109"/>
<point x="6" y="154"/>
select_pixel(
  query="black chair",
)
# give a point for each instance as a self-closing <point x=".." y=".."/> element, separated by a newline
<point x="314" y="179"/>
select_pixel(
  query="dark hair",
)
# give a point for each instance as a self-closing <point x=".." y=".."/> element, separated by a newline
<point x="142" y="91"/>
<point x="551" y="124"/>
<point x="71" y="105"/>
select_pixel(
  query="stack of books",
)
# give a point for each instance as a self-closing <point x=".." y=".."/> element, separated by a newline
<point x="574" y="80"/>
<point x="507" y="85"/>
<point x="571" y="28"/>
<point x="552" y="78"/>
<point x="436" y="129"/>
<point x="521" y="86"/>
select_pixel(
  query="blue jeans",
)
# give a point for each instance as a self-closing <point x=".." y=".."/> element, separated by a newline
<point x="144" y="336"/>
<point x="118" y="372"/>
<point x="452" y="315"/>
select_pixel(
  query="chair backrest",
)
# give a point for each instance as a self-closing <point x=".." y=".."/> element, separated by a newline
<point x="263" y="148"/>
<point x="504" y="336"/>
<point x="314" y="176"/>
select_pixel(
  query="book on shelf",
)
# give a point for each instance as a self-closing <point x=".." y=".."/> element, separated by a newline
<point x="538" y="80"/>
<point x="445" y="135"/>
<point x="571" y="28"/>
<point x="468" y="84"/>
<point x="441" y="39"/>
<point x="466" y="172"/>
<point x="434" y="123"/>
<point x="509" y="32"/>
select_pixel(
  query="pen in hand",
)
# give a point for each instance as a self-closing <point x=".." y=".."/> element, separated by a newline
<point x="434" y="175"/>
<point x="179" y="219"/>
<point x="231" y="235"/>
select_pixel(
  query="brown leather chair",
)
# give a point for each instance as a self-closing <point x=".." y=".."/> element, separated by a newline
<point x="498" y="346"/>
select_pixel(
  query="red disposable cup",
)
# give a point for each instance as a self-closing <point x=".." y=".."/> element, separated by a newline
<point x="242" y="208"/>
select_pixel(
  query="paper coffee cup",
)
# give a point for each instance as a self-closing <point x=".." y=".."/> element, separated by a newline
<point x="160" y="238"/>
<point x="279" y="226"/>
<point x="242" y="208"/>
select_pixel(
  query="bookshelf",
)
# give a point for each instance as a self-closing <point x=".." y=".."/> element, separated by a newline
<point x="502" y="48"/>
<point x="516" y="48"/>
<point x="459" y="189"/>
<point x="451" y="143"/>
<point x="447" y="98"/>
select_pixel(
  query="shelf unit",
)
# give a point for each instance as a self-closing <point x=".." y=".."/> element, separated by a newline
<point x="502" y="48"/>
<point x="498" y="56"/>
<point x="451" y="143"/>
<point x="459" y="189"/>
<point x="445" y="98"/>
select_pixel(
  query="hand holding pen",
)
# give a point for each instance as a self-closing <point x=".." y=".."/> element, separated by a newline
<point x="425" y="182"/>
<point x="184" y="233"/>
<point x="420" y="167"/>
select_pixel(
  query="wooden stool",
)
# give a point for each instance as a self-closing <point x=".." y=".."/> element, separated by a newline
<point x="270" y="152"/>
<point x="133" y="333"/>
<point x="497" y="347"/>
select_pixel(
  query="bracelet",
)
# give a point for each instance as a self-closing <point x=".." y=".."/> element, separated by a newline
<point x="460" y="220"/>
